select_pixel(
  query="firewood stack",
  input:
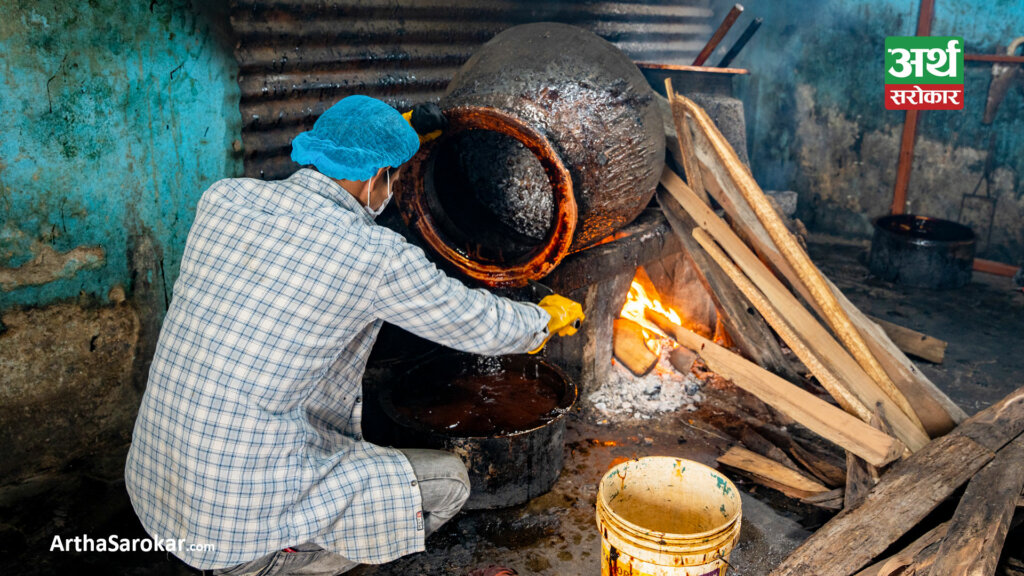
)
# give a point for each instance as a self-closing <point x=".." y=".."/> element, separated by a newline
<point x="908" y="447"/>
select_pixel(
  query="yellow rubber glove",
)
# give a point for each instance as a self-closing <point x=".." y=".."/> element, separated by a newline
<point x="429" y="135"/>
<point x="566" y="316"/>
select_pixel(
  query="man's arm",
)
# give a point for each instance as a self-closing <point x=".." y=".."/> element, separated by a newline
<point x="418" y="297"/>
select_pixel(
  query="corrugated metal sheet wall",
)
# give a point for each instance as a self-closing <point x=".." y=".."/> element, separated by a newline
<point x="297" y="57"/>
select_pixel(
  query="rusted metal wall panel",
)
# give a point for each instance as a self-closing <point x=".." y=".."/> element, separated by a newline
<point x="297" y="57"/>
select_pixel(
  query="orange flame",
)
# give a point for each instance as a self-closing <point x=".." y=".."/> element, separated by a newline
<point x="642" y="296"/>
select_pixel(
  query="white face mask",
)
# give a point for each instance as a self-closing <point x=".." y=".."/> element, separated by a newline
<point x="374" y="213"/>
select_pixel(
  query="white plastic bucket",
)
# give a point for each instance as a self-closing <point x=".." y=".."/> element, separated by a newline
<point x="664" y="516"/>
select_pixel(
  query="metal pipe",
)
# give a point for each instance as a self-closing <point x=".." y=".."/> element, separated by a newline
<point x="740" y="43"/>
<point x="730" y="19"/>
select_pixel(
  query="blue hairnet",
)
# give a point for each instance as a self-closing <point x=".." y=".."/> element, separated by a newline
<point x="355" y="138"/>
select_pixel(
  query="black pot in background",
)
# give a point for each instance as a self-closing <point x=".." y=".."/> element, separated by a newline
<point x="503" y="470"/>
<point x="922" y="252"/>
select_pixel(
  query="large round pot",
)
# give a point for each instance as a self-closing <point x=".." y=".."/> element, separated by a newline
<point x="922" y="252"/>
<point x="506" y="467"/>
<point x="554" y="142"/>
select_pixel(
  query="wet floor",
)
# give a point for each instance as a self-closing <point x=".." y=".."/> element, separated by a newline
<point x="556" y="533"/>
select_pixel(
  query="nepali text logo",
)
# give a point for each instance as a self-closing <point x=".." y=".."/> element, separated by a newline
<point x="924" y="73"/>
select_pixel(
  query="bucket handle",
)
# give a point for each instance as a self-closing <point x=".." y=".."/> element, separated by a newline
<point x="721" y="556"/>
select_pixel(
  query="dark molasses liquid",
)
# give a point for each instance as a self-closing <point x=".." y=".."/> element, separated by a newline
<point x="479" y="404"/>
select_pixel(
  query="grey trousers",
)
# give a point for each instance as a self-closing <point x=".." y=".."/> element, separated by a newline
<point x="444" y="487"/>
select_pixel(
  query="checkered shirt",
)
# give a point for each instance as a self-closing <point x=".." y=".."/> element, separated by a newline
<point x="248" y="437"/>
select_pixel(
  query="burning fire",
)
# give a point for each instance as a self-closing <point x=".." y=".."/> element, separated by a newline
<point x="643" y="296"/>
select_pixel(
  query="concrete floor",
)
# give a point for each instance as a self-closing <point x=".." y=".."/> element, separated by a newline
<point x="983" y="322"/>
<point x="556" y="533"/>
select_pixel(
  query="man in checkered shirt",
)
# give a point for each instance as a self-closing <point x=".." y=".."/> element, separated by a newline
<point x="248" y="442"/>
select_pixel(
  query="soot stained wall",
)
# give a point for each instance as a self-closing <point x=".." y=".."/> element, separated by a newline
<point x="817" y="122"/>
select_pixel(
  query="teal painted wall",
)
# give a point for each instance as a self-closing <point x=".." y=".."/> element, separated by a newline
<point x="114" y="118"/>
<point x="817" y="122"/>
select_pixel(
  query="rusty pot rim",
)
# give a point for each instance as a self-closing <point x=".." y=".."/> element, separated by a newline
<point x="388" y="405"/>
<point x="415" y="211"/>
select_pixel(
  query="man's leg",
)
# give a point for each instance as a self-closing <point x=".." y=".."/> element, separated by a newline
<point x="444" y="488"/>
<point x="443" y="482"/>
<point x="299" y="560"/>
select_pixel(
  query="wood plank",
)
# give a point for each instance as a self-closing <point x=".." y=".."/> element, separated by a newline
<point x="982" y="519"/>
<point x="749" y="332"/>
<point x="807" y="273"/>
<point x="912" y="555"/>
<point x="907" y="493"/>
<point x="831" y="500"/>
<point x="820" y="417"/>
<point x="936" y="411"/>
<point x="770" y="473"/>
<point x="821" y="468"/>
<point x="839" y="390"/>
<point x="913" y="342"/>
<point x="685" y="139"/>
<point x="996" y="425"/>
<point x="861" y="477"/>
<point x="630" y="347"/>
<point x="833" y="356"/>
<point x="741" y="406"/>
<point x="755" y="442"/>
<point x="934" y="408"/>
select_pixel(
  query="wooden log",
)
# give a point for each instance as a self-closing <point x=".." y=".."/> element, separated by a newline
<point x="995" y="426"/>
<point x="982" y="519"/>
<point x="807" y="273"/>
<point x="839" y="390"/>
<point x="861" y="477"/>
<point x="755" y="442"/>
<point x="907" y="493"/>
<point x="770" y="473"/>
<point x="913" y="342"/>
<point x="828" y="351"/>
<point x="831" y="500"/>
<point x="822" y="418"/>
<point x="749" y="332"/>
<point x="911" y="556"/>
<point x="746" y="412"/>
<point x="682" y="360"/>
<point x="821" y="468"/>
<point x="748" y="416"/>
<point x="630" y="347"/>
